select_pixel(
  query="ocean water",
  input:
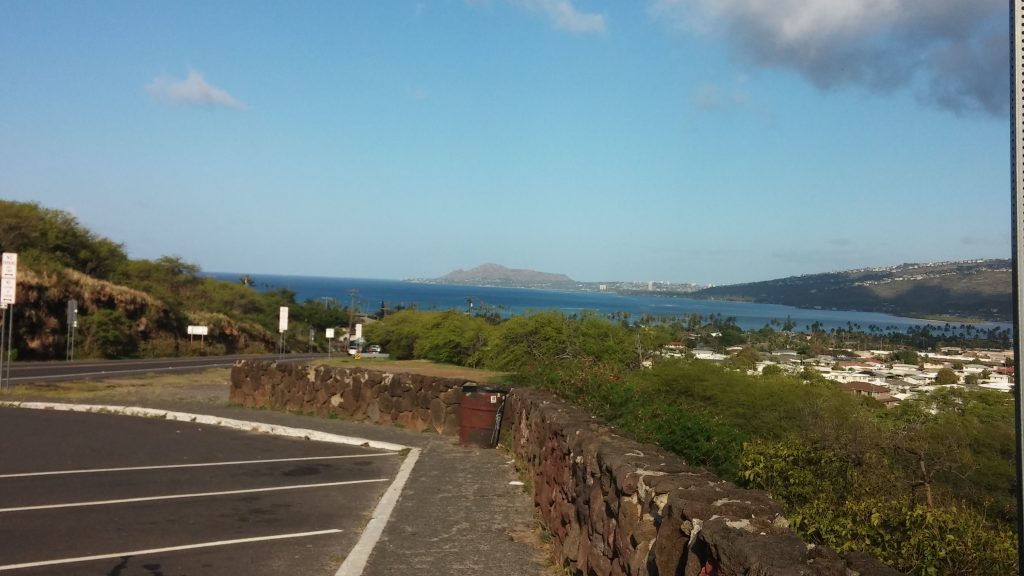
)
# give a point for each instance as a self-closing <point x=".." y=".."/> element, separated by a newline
<point x="510" y="301"/>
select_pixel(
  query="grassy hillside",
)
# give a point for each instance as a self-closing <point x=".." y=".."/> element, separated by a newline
<point x="977" y="289"/>
<point x="132" y="308"/>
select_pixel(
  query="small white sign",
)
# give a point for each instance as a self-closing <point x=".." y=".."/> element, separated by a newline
<point x="282" y="324"/>
<point x="330" y="333"/>
<point x="199" y="330"/>
<point x="9" y="268"/>
<point x="8" y="287"/>
<point x="359" y="332"/>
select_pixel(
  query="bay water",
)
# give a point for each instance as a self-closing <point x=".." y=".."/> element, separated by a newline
<point x="370" y="294"/>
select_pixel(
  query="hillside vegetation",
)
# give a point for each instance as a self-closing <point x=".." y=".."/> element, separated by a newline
<point x="926" y="487"/>
<point x="131" y="307"/>
<point x="977" y="289"/>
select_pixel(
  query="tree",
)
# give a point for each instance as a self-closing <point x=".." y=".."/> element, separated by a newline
<point x="453" y="338"/>
<point x="745" y="359"/>
<point x="946" y="376"/>
<point x="905" y="356"/>
<point x="772" y="370"/>
<point x="48" y="238"/>
<point x="108" y="334"/>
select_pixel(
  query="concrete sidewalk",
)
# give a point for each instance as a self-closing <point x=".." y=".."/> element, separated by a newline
<point x="458" y="514"/>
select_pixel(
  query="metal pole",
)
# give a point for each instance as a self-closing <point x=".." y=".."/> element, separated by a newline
<point x="10" y="341"/>
<point x="3" y="325"/>
<point x="1017" y="189"/>
<point x="351" y="315"/>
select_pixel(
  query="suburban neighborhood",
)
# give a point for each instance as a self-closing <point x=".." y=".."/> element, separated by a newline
<point x="875" y="373"/>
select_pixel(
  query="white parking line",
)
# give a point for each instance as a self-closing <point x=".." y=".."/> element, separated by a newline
<point x="194" y="495"/>
<point x="196" y="465"/>
<point x="168" y="549"/>
<point x="356" y="560"/>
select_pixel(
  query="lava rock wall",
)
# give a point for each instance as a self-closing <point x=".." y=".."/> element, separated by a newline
<point x="411" y="401"/>
<point x="612" y="506"/>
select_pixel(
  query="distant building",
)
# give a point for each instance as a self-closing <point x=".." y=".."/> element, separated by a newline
<point x="701" y="354"/>
<point x="880" y="393"/>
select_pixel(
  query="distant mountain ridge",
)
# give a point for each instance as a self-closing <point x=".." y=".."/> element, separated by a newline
<point x="497" y="275"/>
<point x="969" y="289"/>
<point x="977" y="289"/>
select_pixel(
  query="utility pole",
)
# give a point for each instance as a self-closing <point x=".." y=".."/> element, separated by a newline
<point x="1017" y="196"/>
<point x="351" y="314"/>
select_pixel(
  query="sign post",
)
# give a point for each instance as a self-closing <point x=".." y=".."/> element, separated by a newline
<point x="200" y="331"/>
<point x="72" y="325"/>
<point x="8" y="294"/>
<point x="330" y="336"/>
<point x="282" y="327"/>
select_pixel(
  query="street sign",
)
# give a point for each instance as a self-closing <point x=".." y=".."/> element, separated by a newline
<point x="330" y="333"/>
<point x="9" y="267"/>
<point x="282" y="324"/>
<point x="198" y="330"/>
<point x="8" y="288"/>
<point x="8" y="277"/>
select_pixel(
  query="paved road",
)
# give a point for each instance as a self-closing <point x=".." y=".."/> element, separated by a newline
<point x="36" y="372"/>
<point x="102" y="494"/>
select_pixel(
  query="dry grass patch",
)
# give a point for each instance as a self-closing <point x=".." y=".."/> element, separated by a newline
<point x="209" y="386"/>
<point x="424" y="367"/>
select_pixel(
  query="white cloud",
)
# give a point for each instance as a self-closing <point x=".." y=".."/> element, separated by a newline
<point x="194" y="90"/>
<point x="955" y="53"/>
<point x="565" y="16"/>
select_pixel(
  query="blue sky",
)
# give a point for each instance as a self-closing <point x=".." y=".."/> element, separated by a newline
<point x="709" y="141"/>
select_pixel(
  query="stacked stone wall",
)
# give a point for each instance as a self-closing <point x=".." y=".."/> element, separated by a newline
<point x="613" y="506"/>
<point x="412" y="401"/>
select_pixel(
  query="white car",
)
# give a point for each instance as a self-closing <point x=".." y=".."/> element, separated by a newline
<point x="373" y="349"/>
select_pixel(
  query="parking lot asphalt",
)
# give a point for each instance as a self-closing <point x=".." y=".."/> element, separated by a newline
<point x="104" y="494"/>
<point x="460" y="511"/>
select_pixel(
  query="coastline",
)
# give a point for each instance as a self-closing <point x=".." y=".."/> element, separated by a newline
<point x="507" y="301"/>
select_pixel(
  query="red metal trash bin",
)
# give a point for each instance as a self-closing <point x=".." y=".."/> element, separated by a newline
<point x="480" y="415"/>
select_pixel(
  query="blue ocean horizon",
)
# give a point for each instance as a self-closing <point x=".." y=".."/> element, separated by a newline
<point x="371" y="293"/>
